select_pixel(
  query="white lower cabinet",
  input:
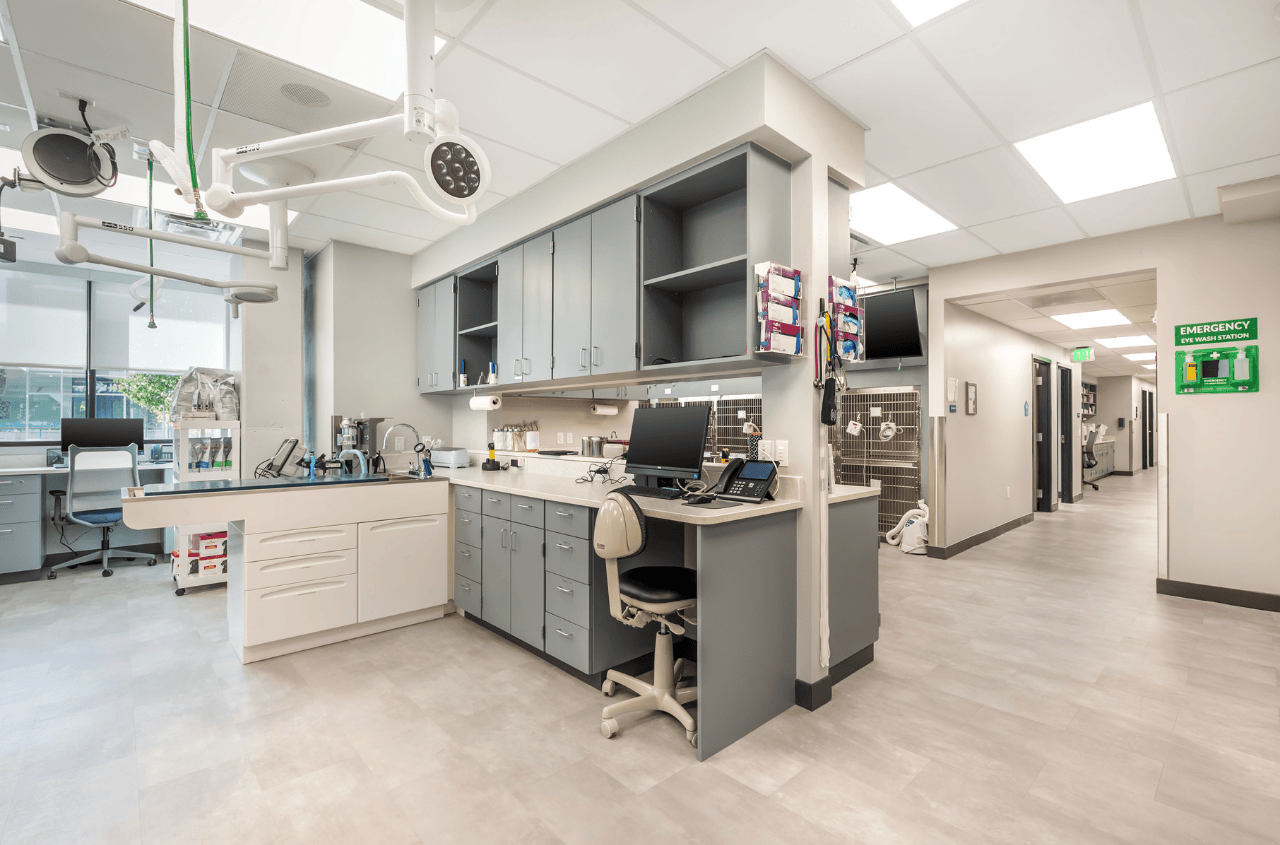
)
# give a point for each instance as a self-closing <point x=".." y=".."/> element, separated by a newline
<point x="278" y="613"/>
<point x="404" y="566"/>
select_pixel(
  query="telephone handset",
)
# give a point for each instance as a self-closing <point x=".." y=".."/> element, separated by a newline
<point x="746" y="481"/>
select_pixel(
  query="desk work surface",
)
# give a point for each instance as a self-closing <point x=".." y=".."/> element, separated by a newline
<point x="555" y="488"/>
<point x="249" y="485"/>
<point x="848" y="492"/>
<point x="62" y="470"/>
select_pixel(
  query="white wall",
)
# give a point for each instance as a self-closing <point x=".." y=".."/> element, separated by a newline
<point x="1221" y="450"/>
<point x="1118" y="396"/>
<point x="990" y="462"/>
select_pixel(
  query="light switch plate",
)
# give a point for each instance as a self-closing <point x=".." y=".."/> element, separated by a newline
<point x="781" y="452"/>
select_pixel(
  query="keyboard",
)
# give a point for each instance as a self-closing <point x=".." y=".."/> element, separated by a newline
<point x="651" y="492"/>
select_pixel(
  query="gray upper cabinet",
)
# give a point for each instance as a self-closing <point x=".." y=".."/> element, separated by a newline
<point x="436" y="336"/>
<point x="510" y="307"/>
<point x="571" y="327"/>
<point x="615" y="281"/>
<point x="426" y="337"/>
<point x="538" y="284"/>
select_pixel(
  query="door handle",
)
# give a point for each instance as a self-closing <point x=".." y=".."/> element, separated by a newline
<point x="527" y="369"/>
<point x="564" y="590"/>
<point x="595" y="355"/>
<point x="582" y="359"/>
<point x="503" y="538"/>
<point x="516" y="372"/>
<point x="514" y="535"/>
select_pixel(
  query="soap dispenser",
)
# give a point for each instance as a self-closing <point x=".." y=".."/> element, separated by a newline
<point x="1240" y="370"/>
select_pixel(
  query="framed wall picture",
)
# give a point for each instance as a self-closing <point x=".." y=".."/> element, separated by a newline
<point x="970" y="398"/>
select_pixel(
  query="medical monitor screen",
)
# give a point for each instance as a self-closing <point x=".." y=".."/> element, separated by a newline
<point x="891" y="328"/>
<point x="668" y="441"/>
<point x="97" y="433"/>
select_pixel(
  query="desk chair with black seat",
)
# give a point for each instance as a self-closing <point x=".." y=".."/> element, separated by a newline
<point x="637" y="597"/>
<point x="98" y="508"/>
<point x="1090" y="460"/>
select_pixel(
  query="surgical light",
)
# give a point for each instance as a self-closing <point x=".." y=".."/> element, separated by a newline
<point x="1092" y="319"/>
<point x="1126" y="342"/>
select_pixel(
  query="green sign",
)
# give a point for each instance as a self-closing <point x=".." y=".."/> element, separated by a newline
<point x="1223" y="331"/>
<point x="1084" y="353"/>
<point x="1231" y="369"/>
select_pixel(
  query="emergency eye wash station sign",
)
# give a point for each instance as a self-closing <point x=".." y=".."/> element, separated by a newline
<point x="1223" y="369"/>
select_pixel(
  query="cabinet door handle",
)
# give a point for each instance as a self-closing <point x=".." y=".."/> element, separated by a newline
<point x="516" y="372"/>
<point x="6" y="482"/>
<point x="464" y="518"/>
<point x="564" y="546"/>
<point x="465" y="587"/>
<point x="503" y="538"/>
<point x="491" y="499"/>
<point x="564" y="513"/>
<point x="595" y="355"/>
<point x="582" y="359"/>
<point x="527" y="369"/>
<point x="562" y="633"/>
<point x="526" y="507"/>
<point x="564" y="590"/>
<point x="7" y="502"/>
<point x="6" y="530"/>
<point x="514" y="535"/>
<point x="465" y="554"/>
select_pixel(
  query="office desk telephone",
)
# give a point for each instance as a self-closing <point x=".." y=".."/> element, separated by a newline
<point x="746" y="481"/>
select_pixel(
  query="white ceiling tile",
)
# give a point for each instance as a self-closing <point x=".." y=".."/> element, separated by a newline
<point x="1228" y="120"/>
<point x="1139" y="314"/>
<point x="511" y="108"/>
<point x="1034" y="67"/>
<point x="1135" y="208"/>
<point x="978" y="300"/>
<point x="367" y="211"/>
<point x="989" y="185"/>
<point x="11" y="92"/>
<point x="232" y="130"/>
<point x="315" y="227"/>
<point x="1009" y="309"/>
<point x="917" y="119"/>
<point x="1035" y="325"/>
<point x="118" y="40"/>
<point x="1029" y="231"/>
<point x="1064" y="337"/>
<point x="874" y="177"/>
<point x="512" y="169"/>
<point x="734" y="30"/>
<point x="882" y="265"/>
<point x="1194" y="40"/>
<point x="1204" y="186"/>
<point x="603" y="51"/>
<point x="945" y="248"/>
<point x="1131" y="294"/>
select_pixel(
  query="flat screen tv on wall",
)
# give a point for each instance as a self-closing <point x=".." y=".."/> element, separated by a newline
<point x="891" y="327"/>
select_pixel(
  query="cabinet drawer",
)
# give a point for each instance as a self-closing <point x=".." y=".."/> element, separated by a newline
<point x="16" y="485"/>
<point x="573" y="520"/>
<point x="527" y="511"/>
<point x="24" y="508"/>
<point x="466" y="595"/>
<point x="466" y="499"/>
<point x="495" y="504"/>
<point x="21" y="548"/>
<point x="278" y="613"/>
<point x="568" y="643"/>
<point x="259" y="574"/>
<point x="569" y="556"/>
<point x="466" y="528"/>
<point x="466" y="561"/>
<point x="569" y="599"/>
<point x="299" y="541"/>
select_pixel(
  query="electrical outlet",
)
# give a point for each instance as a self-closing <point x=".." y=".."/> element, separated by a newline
<point x="399" y="444"/>
<point x="568" y="437"/>
<point x="766" y="449"/>
<point x="780" y="447"/>
<point x="559" y="438"/>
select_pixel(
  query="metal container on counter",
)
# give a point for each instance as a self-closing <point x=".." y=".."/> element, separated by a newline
<point x="593" y="446"/>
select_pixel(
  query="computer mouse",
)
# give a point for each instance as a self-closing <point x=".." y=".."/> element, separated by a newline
<point x="699" y="500"/>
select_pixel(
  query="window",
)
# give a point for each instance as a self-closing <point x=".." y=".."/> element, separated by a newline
<point x="59" y="334"/>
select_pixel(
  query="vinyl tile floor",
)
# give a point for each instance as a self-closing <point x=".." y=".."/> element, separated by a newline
<point x="1032" y="690"/>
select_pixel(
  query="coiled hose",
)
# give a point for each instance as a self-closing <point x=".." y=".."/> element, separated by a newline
<point x="894" y="535"/>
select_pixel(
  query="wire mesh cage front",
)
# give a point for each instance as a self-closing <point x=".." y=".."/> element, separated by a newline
<point x="895" y="463"/>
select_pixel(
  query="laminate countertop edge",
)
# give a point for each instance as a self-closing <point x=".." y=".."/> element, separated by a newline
<point x="849" y="492"/>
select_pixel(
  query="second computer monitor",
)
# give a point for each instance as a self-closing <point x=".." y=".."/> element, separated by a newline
<point x="668" y="441"/>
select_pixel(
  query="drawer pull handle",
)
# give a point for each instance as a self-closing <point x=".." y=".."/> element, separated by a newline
<point x="526" y="507"/>
<point x="465" y="518"/>
<point x="6" y="482"/>
<point x="562" y="633"/>
<point x="465" y="554"/>
<point x="7" y="502"/>
<point x="564" y="589"/>
<point x="465" y="587"/>
<point x="491" y="499"/>
<point x="6" y="530"/>
<point x="564" y="546"/>
<point x="564" y="513"/>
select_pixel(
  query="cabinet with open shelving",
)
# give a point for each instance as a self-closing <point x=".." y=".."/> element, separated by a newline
<point x="1088" y="400"/>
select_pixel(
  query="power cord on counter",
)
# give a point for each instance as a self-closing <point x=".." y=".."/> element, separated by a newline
<point x="604" y="471"/>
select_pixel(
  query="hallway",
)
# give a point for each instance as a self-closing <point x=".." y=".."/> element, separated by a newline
<point x="1032" y="690"/>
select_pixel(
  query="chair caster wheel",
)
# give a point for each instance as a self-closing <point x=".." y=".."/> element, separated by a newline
<point x="52" y="576"/>
<point x="151" y="563"/>
<point x="692" y="736"/>
<point x="181" y="591"/>
<point x="609" y="727"/>
<point x="74" y="566"/>
<point x="608" y="688"/>
<point x="681" y="670"/>
<point x="106" y="573"/>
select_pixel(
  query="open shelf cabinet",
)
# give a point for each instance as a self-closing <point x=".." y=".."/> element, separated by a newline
<point x="478" y="320"/>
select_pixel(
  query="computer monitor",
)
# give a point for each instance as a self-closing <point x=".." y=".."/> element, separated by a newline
<point x="97" y="433"/>
<point x="668" y="442"/>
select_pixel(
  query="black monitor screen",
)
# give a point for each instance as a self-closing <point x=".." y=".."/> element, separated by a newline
<point x="96" y="433"/>
<point x="891" y="328"/>
<point x="668" y="441"/>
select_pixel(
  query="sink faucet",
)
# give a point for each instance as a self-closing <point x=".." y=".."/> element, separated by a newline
<point x="420" y="471"/>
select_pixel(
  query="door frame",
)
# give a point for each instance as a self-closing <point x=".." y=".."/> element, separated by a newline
<point x="1066" y="435"/>
<point x="1144" y="419"/>
<point x="1042" y="436"/>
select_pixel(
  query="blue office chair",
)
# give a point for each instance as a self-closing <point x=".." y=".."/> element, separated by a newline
<point x="98" y="508"/>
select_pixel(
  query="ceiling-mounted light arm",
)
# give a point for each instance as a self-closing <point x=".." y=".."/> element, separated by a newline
<point x="69" y="226"/>
<point x="420" y="71"/>
<point x="233" y="204"/>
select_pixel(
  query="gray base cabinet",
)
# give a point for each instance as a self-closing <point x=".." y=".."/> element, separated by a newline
<point x="495" y="568"/>
<point x="854" y="609"/>
<point x="526" y="583"/>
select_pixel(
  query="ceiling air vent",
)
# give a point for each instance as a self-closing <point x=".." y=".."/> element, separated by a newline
<point x="306" y="95"/>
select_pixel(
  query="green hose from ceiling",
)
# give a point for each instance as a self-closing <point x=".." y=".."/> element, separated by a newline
<point x="191" y="150"/>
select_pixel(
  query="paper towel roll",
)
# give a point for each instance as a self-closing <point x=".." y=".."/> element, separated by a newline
<point x="605" y="410"/>
<point x="486" y="403"/>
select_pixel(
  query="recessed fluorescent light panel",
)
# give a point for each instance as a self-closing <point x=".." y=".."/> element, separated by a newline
<point x="1093" y="319"/>
<point x="1149" y="366"/>
<point x="888" y="214"/>
<point x="918" y="11"/>
<point x="30" y="221"/>
<point x="1101" y="156"/>
<point x="1126" y="342"/>
<point x="348" y="40"/>
<point x="1141" y="356"/>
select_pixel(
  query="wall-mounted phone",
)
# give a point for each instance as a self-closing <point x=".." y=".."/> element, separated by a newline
<point x="746" y="481"/>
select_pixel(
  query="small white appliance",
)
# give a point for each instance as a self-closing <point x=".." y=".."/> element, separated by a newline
<point x="450" y="457"/>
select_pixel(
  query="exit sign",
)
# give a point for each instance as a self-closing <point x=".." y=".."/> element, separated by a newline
<point x="1084" y="353"/>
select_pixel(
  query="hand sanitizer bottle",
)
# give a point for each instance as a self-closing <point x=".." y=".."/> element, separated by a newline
<point x="1240" y="372"/>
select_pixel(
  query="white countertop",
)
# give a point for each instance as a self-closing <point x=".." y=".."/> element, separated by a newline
<point x="142" y="467"/>
<point x="561" y="489"/>
<point x="849" y="492"/>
